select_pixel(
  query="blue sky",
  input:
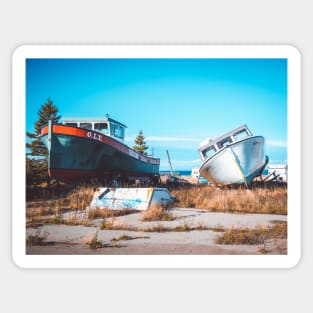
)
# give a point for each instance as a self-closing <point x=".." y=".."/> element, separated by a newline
<point x="177" y="103"/>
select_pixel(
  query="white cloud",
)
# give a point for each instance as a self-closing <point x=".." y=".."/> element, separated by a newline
<point x="277" y="143"/>
<point x="186" y="162"/>
<point x="180" y="164"/>
<point x="129" y="139"/>
<point x="166" y="142"/>
<point x="163" y="139"/>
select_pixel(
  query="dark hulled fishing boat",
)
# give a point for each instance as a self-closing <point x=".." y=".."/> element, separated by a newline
<point x="84" y="149"/>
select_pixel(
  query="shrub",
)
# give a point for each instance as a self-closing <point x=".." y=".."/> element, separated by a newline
<point x="252" y="236"/>
<point x="157" y="213"/>
<point x="94" y="243"/>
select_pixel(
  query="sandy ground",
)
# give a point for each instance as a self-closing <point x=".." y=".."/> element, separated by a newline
<point x="67" y="239"/>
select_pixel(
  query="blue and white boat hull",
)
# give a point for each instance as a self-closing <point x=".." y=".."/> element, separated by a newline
<point x="237" y="163"/>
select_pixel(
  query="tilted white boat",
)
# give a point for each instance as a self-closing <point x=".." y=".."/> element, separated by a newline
<point x="236" y="157"/>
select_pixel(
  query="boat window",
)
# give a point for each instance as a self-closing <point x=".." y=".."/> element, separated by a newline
<point x="241" y="134"/>
<point x="86" y="125"/>
<point x="71" y="124"/>
<point x="118" y="131"/>
<point x="207" y="153"/>
<point x="225" y="142"/>
<point x="102" y="127"/>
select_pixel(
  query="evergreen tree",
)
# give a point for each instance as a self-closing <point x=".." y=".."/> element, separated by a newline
<point x="48" y="111"/>
<point x="36" y="171"/>
<point x="140" y="144"/>
<point x="37" y="167"/>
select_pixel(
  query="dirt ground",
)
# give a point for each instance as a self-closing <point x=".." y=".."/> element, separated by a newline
<point x="69" y="239"/>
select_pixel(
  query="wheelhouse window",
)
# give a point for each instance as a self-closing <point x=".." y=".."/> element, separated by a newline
<point x="225" y="142"/>
<point x="101" y="127"/>
<point x="241" y="134"/>
<point x="118" y="131"/>
<point x="71" y="124"/>
<point x="86" y="125"/>
<point x="207" y="153"/>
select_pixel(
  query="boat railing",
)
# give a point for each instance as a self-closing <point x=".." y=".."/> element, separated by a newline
<point x="220" y="143"/>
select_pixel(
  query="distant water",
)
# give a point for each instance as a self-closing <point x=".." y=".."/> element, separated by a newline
<point x="180" y="173"/>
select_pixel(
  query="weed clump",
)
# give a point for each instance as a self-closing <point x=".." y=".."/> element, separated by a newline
<point x="126" y="237"/>
<point x="106" y="225"/>
<point x="94" y="243"/>
<point x="36" y="240"/>
<point x="157" y="213"/>
<point x="95" y="213"/>
<point x="254" y="236"/>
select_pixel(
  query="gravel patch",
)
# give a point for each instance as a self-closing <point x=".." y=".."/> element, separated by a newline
<point x="68" y="239"/>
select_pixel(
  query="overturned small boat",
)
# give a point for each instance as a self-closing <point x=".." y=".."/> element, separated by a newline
<point x="236" y="157"/>
<point x="130" y="198"/>
<point x="86" y="149"/>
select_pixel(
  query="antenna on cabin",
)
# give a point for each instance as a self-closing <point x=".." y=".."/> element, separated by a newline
<point x="169" y="161"/>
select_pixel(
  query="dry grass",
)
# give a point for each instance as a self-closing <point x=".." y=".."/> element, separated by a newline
<point x="103" y="213"/>
<point x="34" y="240"/>
<point x="217" y="228"/>
<point x="94" y="243"/>
<point x="126" y="237"/>
<point x="81" y="197"/>
<point x="157" y="213"/>
<point x="51" y="210"/>
<point x="37" y="239"/>
<point x="109" y="224"/>
<point x="184" y="227"/>
<point x="76" y="199"/>
<point x="252" y="236"/>
<point x="72" y="205"/>
<point x="68" y="218"/>
<point x="258" y="200"/>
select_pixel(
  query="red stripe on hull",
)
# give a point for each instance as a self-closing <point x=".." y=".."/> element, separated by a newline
<point x="95" y="136"/>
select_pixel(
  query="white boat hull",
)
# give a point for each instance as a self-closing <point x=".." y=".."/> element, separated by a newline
<point x="237" y="163"/>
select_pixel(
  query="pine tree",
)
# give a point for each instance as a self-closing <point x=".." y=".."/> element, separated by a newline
<point x="36" y="171"/>
<point x="48" y="111"/>
<point x="140" y="144"/>
<point x="38" y="165"/>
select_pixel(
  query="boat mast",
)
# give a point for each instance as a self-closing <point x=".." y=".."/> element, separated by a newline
<point x="169" y="161"/>
<point x="49" y="143"/>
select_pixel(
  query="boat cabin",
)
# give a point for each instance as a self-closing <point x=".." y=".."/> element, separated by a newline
<point x="106" y="126"/>
<point x="209" y="147"/>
